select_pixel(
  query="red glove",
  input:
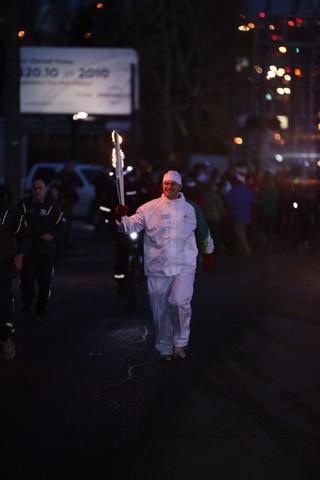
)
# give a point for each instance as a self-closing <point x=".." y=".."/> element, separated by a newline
<point x="121" y="211"/>
<point x="207" y="262"/>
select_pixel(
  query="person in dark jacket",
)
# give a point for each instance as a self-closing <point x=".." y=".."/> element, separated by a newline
<point x="13" y="245"/>
<point x="46" y="221"/>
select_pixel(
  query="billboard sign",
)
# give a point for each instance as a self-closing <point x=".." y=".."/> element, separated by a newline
<point x="63" y="80"/>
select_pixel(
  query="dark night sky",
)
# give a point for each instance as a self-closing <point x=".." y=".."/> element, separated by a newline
<point x="283" y="6"/>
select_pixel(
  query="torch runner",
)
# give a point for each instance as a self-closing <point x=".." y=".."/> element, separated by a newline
<point x="117" y="162"/>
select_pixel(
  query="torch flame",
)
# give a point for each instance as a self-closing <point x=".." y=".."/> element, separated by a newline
<point x="113" y="136"/>
<point x="114" y="157"/>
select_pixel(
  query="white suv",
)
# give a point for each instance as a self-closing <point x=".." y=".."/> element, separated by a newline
<point x="86" y="174"/>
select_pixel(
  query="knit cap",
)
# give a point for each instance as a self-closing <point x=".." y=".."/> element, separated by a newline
<point x="172" y="176"/>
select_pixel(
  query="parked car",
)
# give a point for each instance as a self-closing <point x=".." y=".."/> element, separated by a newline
<point x="86" y="174"/>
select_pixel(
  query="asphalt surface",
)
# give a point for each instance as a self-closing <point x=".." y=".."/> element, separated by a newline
<point x="86" y="396"/>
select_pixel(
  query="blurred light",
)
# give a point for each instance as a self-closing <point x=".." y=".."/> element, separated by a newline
<point x="238" y="140"/>
<point x="287" y="90"/>
<point x="282" y="49"/>
<point x="277" y="136"/>
<point x="287" y="69"/>
<point x="99" y="5"/>
<point x="80" y="116"/>
<point x="268" y="96"/>
<point x="273" y="68"/>
<point x="278" y="157"/>
<point x="291" y="23"/>
<point x="299" y="20"/>
<point x="276" y="37"/>
<point x="283" y="121"/>
<point x="272" y="27"/>
<point x="298" y="72"/>
<point x="242" y="62"/>
<point x="318" y="125"/>
<point x="21" y="33"/>
<point x="262" y="15"/>
<point x="104" y="209"/>
<point x="280" y="72"/>
<point x="318" y="163"/>
<point x="280" y="91"/>
<point x="258" y="69"/>
<point x="243" y="28"/>
<point x="87" y="35"/>
<point x="133" y="235"/>
<point x="129" y="168"/>
<point x="251" y="25"/>
<point x="297" y="50"/>
<point x="295" y="204"/>
<point x="271" y="74"/>
<point x="287" y="77"/>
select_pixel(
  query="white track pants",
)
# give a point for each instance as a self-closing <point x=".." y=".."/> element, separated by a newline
<point x="170" y="300"/>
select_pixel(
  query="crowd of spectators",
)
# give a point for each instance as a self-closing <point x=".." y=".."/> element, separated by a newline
<point x="250" y="209"/>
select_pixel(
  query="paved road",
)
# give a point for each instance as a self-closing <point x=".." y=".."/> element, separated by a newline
<point x="87" y="398"/>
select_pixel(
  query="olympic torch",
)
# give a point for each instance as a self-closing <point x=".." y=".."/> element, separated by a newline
<point x="117" y="163"/>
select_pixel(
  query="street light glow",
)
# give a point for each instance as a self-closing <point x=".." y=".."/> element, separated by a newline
<point x="282" y="49"/>
<point x="80" y="116"/>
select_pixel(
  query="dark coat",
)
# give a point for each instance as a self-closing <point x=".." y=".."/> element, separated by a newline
<point x="14" y="237"/>
<point x="42" y="218"/>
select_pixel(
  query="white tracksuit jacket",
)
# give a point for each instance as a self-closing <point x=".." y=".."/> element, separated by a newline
<point x="169" y="235"/>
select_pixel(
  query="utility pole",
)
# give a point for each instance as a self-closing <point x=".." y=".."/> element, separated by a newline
<point x="11" y="101"/>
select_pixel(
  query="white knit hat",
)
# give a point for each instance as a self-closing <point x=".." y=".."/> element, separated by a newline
<point x="172" y="176"/>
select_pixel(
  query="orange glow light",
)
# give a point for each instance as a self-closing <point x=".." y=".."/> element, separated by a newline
<point x="99" y="5"/>
<point x="21" y="33"/>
